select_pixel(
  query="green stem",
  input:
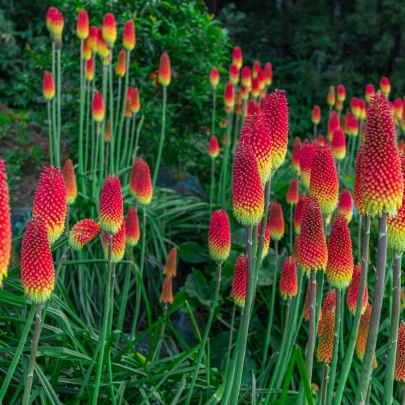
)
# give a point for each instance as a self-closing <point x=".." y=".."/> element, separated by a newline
<point x="315" y="131"/>
<point x="103" y="332"/>
<point x="324" y="383"/>
<point x="162" y="137"/>
<point x="125" y="151"/>
<point x="291" y="226"/>
<point x="112" y="126"/>
<point x="58" y="72"/>
<point x="312" y="336"/>
<point x="342" y="347"/>
<point x="51" y="152"/>
<point x="117" y="112"/>
<point x="86" y="154"/>
<point x="403" y="394"/>
<point x="161" y="337"/>
<point x="81" y="119"/>
<point x="205" y="337"/>
<point x="214" y="107"/>
<point x="224" y="183"/>
<point x="102" y="142"/>
<point x="365" y="375"/>
<point x="131" y="143"/>
<point x="212" y="183"/>
<point x="228" y="357"/>
<point x="124" y="300"/>
<point x="286" y="319"/>
<point x="33" y="355"/>
<point x="392" y="347"/>
<point x="98" y="140"/>
<point x="359" y="238"/>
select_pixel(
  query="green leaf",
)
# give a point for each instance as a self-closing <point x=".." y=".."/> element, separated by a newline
<point x="192" y="252"/>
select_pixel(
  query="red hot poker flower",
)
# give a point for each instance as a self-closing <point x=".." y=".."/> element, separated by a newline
<point x="93" y="38"/>
<point x="399" y="372"/>
<point x="111" y="206"/>
<point x="229" y="95"/>
<point x="86" y="50"/>
<point x="55" y="23"/>
<point x="140" y="183"/>
<point x="132" y="232"/>
<point x="5" y="223"/>
<point x="352" y="126"/>
<point x="214" y="78"/>
<point x="102" y="47"/>
<point x="90" y="69"/>
<point x="255" y="87"/>
<point x="341" y="93"/>
<point x="268" y="74"/>
<point x="331" y="96"/>
<point x="82" y="233"/>
<point x="338" y="145"/>
<point x="308" y="300"/>
<point x="326" y="337"/>
<point x="170" y="268"/>
<point x="135" y="101"/>
<point x="345" y="205"/>
<point x="333" y="124"/>
<point x="219" y="236"/>
<point x="167" y="291"/>
<point x="296" y="248"/>
<point x="385" y="86"/>
<point x="237" y="58"/>
<point x="362" y="105"/>
<point x="266" y="241"/>
<point x="276" y="221"/>
<point x="363" y="332"/>
<point x="82" y="25"/>
<point x="288" y="280"/>
<point x="253" y="107"/>
<point x="120" y="67"/>
<point x="316" y="115"/>
<point x="213" y="147"/>
<point x="353" y="291"/>
<point x="369" y="92"/>
<point x="234" y="74"/>
<point x="246" y="77"/>
<point x="355" y="107"/>
<point x="109" y="30"/>
<point x="358" y="200"/>
<point x="48" y="86"/>
<point x="128" y="36"/>
<point x="295" y="155"/>
<point x="298" y="215"/>
<point x="98" y="109"/>
<point x="238" y="292"/>
<point x="306" y="155"/>
<point x="165" y="70"/>
<point x="293" y="192"/>
<point x="118" y="244"/>
<point x="398" y="107"/>
<point x="70" y="181"/>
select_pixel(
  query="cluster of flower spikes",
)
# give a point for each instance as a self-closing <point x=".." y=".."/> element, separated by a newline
<point x="5" y="223"/>
<point x="288" y="280"/>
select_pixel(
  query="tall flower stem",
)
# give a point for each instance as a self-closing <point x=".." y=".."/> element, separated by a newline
<point x="162" y="138"/>
<point x="291" y="227"/>
<point x="112" y="122"/>
<point x="212" y="183"/>
<point x="392" y="347"/>
<point x="214" y="107"/>
<point x="324" y="384"/>
<point x="286" y="319"/>
<point x="228" y="357"/>
<point x="161" y="337"/>
<point x="335" y="352"/>
<point x="102" y="142"/>
<point x="126" y="143"/>
<point x="359" y="238"/>
<point x="51" y="151"/>
<point x="103" y="332"/>
<point x="58" y="91"/>
<point x="315" y="131"/>
<point x="54" y="120"/>
<point x="117" y="110"/>
<point x="81" y="119"/>
<point x="132" y="141"/>
<point x="87" y="132"/>
<point x="225" y="163"/>
<point x="33" y="355"/>
<point x="344" y="373"/>
<point x="365" y="375"/>
<point x="311" y="338"/>
<point x="124" y="299"/>
<point x="205" y="337"/>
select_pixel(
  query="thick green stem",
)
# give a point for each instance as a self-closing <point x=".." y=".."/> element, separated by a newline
<point x="359" y="238"/>
<point x="365" y="375"/>
<point x="51" y="152"/>
<point x="131" y="142"/>
<point x="214" y="107"/>
<point x="392" y="346"/>
<point x="312" y="336"/>
<point x="228" y="357"/>
<point x="205" y="337"/>
<point x="291" y="227"/>
<point x="403" y="394"/>
<point x="102" y="142"/>
<point x="212" y="183"/>
<point x="126" y="142"/>
<point x="162" y="137"/>
<point x="161" y="337"/>
<point x="112" y="122"/>
<point x="33" y="355"/>
<point x="286" y="319"/>
<point x="58" y="92"/>
<point x="315" y="131"/>
<point x="225" y="163"/>
<point x="124" y="300"/>
<point x="103" y="332"/>
<point x="87" y="134"/>
<point x="324" y="384"/>
<point x="81" y="119"/>
<point x="117" y="111"/>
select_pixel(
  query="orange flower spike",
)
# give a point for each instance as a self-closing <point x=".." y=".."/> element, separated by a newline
<point x="255" y="69"/>
<point x="140" y="183"/>
<point x="306" y="156"/>
<point x="296" y="247"/>
<point x="324" y="182"/>
<point x="237" y="58"/>
<point x="343" y="124"/>
<point x="246" y="77"/>
<point x="118" y="244"/>
<point x="331" y="99"/>
<point x="358" y="200"/>
<point x="355" y="107"/>
<point x="109" y="30"/>
<point x="82" y="25"/>
<point x="219" y="236"/>
<point x="111" y="206"/>
<point x="298" y="214"/>
<point x="326" y="337"/>
<point x="288" y="280"/>
<point x="255" y="87"/>
<point x="70" y="181"/>
<point x="316" y="115"/>
<point x="341" y="93"/>
<point x="295" y="155"/>
<point x="102" y="47"/>
<point x="266" y="241"/>
<point x="385" y="86"/>
<point x="254" y="135"/>
<point x="37" y="270"/>
<point x="82" y="233"/>
<point x="50" y="202"/>
<point x="399" y="372"/>
<point x="98" y="109"/>
<point x="345" y="205"/>
<point x="369" y="92"/>
<point x="107" y="133"/>
<point x="339" y="105"/>
<point x="132" y="232"/>
<point x="293" y="192"/>
<point x="165" y="70"/>
<point x="382" y="184"/>
<point x="338" y="145"/>
<point x="229" y="95"/>
<point x="170" y="268"/>
<point x="48" y="86"/>
<point x="167" y="291"/>
<point x="260" y="76"/>
<point x="129" y="36"/>
<point x="247" y="190"/>
<point x="313" y="253"/>
<point x="93" y="38"/>
<point x="238" y="292"/>
<point x="86" y="50"/>
<point x="135" y="101"/>
<point x="234" y="74"/>
<point x="339" y="269"/>
<point x="120" y="67"/>
<point x="333" y="124"/>
<point x="398" y="107"/>
<point x="276" y="221"/>
<point x="55" y="24"/>
<point x="214" y="78"/>
<point x="90" y="69"/>
<point x="5" y="223"/>
<point x="308" y="301"/>
<point x="363" y="332"/>
<point x="353" y="291"/>
<point x="268" y="74"/>
<point x="213" y="147"/>
<point x="363" y="110"/>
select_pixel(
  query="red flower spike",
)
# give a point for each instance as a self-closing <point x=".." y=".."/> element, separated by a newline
<point x="102" y="47"/>
<point x="352" y="126"/>
<point x="111" y="205"/>
<point x="382" y="184"/>
<point x="326" y="337"/>
<point x="140" y="183"/>
<point x="50" y="202"/>
<point x="324" y="182"/>
<point x="135" y="101"/>
<point x="82" y="25"/>
<point x="398" y="106"/>
<point x="255" y="69"/>
<point x="246" y="77"/>
<point x="121" y="67"/>
<point x="82" y="233"/>
<point x="238" y="292"/>
<point x="5" y="223"/>
<point x="333" y="124"/>
<point x="237" y="58"/>
<point x="294" y="254"/>
<point x="320" y="139"/>
<point x="288" y="280"/>
<point x="339" y="105"/>
<point x="266" y="241"/>
<point x="355" y="107"/>
<point x="399" y="372"/>
<point x="298" y="215"/>
<point x="214" y="78"/>
<point x="253" y="107"/>
<point x="247" y="190"/>
<point x="254" y="135"/>
<point x="167" y="291"/>
<point x="276" y="124"/>
<point x="165" y="71"/>
<point x="107" y="133"/>
<point x="363" y="332"/>
<point x="70" y="181"/>
<point x="345" y="205"/>
<point x="331" y="96"/>
<point x="344" y="123"/>
<point x="86" y="50"/>
<point x="369" y="92"/>
<point x="93" y="38"/>
<point x="170" y="268"/>
<point x="98" y="109"/>
<point x="229" y="95"/>
<point x="316" y="115"/>
<point x="353" y="291"/>
<point x="234" y="74"/>
<point x="129" y="36"/>
<point x="109" y="30"/>
<point x="255" y="87"/>
<point x="339" y="269"/>
<point x="293" y="192"/>
<point x="132" y="232"/>
<point x="338" y="145"/>
<point x="37" y="270"/>
<point x="118" y="244"/>
<point x="268" y="74"/>
<point x="313" y="253"/>
<point x="306" y="155"/>
<point x="295" y="155"/>
<point x="385" y="86"/>
<point x="362" y="106"/>
<point x="55" y="23"/>
<point x="276" y="221"/>
<point x="48" y="86"/>
<point x="90" y="69"/>
<point x="219" y="236"/>
<point x="260" y="76"/>
<point x="308" y="301"/>
<point x="213" y="147"/>
<point x="329" y="303"/>
<point x="341" y="93"/>
<point x="358" y="201"/>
